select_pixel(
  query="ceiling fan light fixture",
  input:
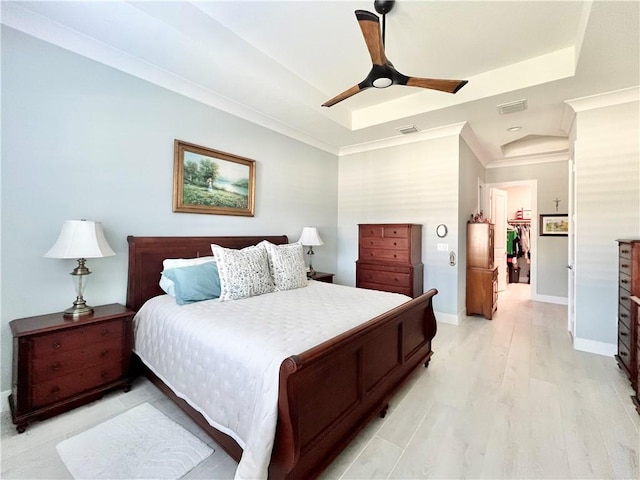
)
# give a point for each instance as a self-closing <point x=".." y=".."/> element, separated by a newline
<point x="383" y="82"/>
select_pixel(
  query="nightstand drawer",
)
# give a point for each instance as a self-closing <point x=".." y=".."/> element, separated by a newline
<point x="60" y="388"/>
<point x="63" y="363"/>
<point x="71" y="339"/>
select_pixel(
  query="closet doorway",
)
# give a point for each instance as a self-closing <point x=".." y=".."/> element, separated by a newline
<point x="520" y="232"/>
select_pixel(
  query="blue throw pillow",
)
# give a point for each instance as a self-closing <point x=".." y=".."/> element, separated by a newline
<point x="195" y="283"/>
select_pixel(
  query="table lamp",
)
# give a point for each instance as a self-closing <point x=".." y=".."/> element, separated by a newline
<point x="310" y="238"/>
<point x="80" y="239"/>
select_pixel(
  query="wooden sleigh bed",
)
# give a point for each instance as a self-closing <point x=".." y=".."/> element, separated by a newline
<point x="366" y="365"/>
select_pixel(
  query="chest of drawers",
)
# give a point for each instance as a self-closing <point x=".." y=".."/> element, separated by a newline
<point x="628" y="286"/>
<point x="390" y="258"/>
<point x="59" y="363"/>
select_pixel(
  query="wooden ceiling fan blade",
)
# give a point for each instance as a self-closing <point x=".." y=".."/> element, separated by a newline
<point x="449" y="86"/>
<point x="343" y="96"/>
<point x="370" y="26"/>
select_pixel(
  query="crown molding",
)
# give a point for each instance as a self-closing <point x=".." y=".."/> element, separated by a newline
<point x="530" y="160"/>
<point x="421" y="136"/>
<point x="607" y="99"/>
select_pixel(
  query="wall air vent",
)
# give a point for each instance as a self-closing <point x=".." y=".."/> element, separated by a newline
<point x="407" y="129"/>
<point x="512" y="107"/>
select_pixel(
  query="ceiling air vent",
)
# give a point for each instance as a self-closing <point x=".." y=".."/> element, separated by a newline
<point x="512" y="107"/>
<point x="407" y="129"/>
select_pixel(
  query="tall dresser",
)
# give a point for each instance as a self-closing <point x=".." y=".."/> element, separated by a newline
<point x="390" y="258"/>
<point x="628" y="286"/>
<point x="482" y="275"/>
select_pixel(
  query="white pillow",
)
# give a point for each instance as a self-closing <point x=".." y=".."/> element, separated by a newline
<point x="243" y="273"/>
<point x="287" y="266"/>
<point x="167" y="285"/>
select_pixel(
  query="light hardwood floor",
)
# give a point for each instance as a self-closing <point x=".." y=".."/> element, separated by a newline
<point x="507" y="398"/>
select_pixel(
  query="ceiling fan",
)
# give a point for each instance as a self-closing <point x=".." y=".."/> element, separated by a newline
<point x="383" y="73"/>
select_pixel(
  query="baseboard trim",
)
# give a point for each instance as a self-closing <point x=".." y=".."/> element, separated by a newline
<point x="593" y="346"/>
<point x="4" y="401"/>
<point x="447" y="318"/>
<point x="550" y="299"/>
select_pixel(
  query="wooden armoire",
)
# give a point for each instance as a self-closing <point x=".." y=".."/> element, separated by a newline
<point x="628" y="356"/>
<point x="390" y="258"/>
<point x="482" y="275"/>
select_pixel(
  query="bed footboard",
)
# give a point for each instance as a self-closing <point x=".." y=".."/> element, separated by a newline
<point x="335" y="388"/>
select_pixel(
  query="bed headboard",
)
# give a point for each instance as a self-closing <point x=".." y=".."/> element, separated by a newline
<point x="147" y="253"/>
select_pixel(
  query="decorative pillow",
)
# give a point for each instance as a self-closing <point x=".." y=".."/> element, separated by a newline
<point x="194" y="283"/>
<point x="287" y="266"/>
<point x="167" y="285"/>
<point x="243" y="273"/>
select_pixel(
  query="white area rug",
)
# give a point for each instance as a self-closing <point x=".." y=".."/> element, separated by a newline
<point x="140" y="443"/>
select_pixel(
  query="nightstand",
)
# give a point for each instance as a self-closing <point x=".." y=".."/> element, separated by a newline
<point x="61" y="363"/>
<point x="322" y="277"/>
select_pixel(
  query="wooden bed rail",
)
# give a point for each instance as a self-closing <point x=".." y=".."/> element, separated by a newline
<point x="334" y="389"/>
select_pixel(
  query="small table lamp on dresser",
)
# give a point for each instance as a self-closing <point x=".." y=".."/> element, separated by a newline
<point x="80" y="239"/>
<point x="310" y="238"/>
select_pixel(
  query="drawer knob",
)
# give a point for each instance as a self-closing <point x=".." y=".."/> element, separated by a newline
<point x="624" y="251"/>
<point x="394" y="232"/>
<point x="394" y="255"/>
<point x="624" y="334"/>
<point x="55" y="389"/>
<point x="55" y="366"/>
<point x="395" y="244"/>
<point x="624" y="280"/>
<point x="104" y="353"/>
<point x="371" y="243"/>
<point x="624" y="265"/>
<point x="56" y="344"/>
<point x="624" y="298"/>
<point x="624" y="315"/>
<point x="624" y="354"/>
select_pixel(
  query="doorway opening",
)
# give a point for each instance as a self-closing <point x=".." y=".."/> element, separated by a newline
<point x="513" y="208"/>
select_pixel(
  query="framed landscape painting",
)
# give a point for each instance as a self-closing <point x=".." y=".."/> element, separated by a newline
<point x="212" y="182"/>
<point x="554" y="225"/>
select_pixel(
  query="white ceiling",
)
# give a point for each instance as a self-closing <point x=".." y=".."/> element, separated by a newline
<point x="276" y="62"/>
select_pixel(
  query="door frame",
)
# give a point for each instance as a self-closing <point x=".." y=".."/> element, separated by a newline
<point x="533" y="232"/>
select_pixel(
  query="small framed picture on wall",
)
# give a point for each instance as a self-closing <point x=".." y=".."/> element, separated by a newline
<point x="554" y="225"/>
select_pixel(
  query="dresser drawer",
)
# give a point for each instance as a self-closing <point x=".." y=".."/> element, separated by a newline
<point x="385" y="287"/>
<point x="624" y="335"/>
<point x="388" y="243"/>
<point x="625" y="250"/>
<point x="384" y="255"/>
<point x="63" y="363"/>
<point x="66" y="386"/>
<point x="384" y="278"/>
<point x="624" y="297"/>
<point x="624" y="316"/>
<point x="624" y="355"/>
<point x="393" y="231"/>
<point x="70" y="339"/>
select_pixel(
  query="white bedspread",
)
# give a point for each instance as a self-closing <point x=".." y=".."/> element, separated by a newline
<point x="223" y="358"/>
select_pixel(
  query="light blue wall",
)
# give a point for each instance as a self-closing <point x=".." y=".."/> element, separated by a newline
<point x="82" y="140"/>
<point x="607" y="157"/>
<point x="411" y="183"/>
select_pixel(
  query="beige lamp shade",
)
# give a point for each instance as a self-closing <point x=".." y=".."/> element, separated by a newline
<point x="80" y="239"/>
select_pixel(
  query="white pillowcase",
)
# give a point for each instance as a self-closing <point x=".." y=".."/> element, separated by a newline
<point x="167" y="285"/>
<point x="243" y="273"/>
<point x="287" y="266"/>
